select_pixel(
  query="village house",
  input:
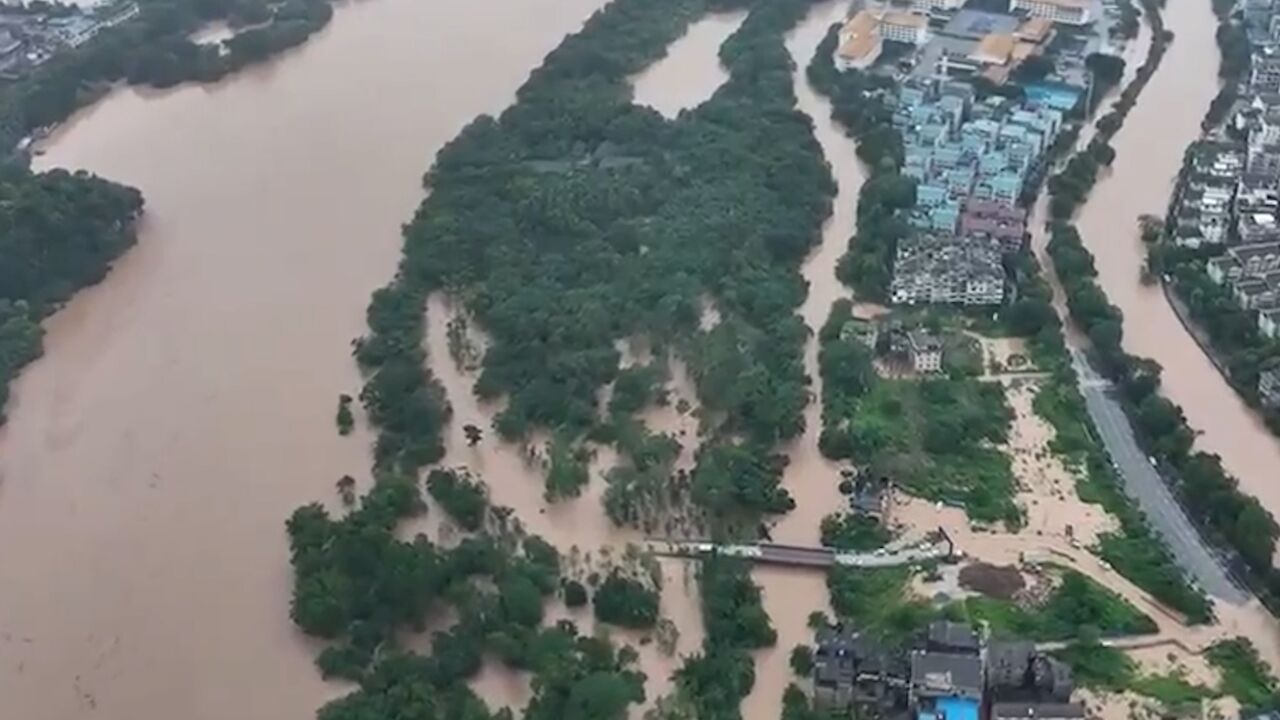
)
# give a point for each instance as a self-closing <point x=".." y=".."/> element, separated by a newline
<point x="1269" y="387"/>
<point x="949" y="672"/>
<point x="1245" y="260"/>
<point x="1066" y="12"/>
<point x="1002" y="221"/>
<point x="1269" y="323"/>
<point x="1252" y="274"/>
<point x="924" y="349"/>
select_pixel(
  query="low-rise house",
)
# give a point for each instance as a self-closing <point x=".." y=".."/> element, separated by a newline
<point x="1269" y="323"/>
<point x="1258" y="228"/>
<point x="951" y="673"/>
<point x="931" y="6"/>
<point x="1037" y="711"/>
<point x="870" y="497"/>
<point x="946" y="685"/>
<point x="1066" y="12"/>
<point x="1269" y="387"/>
<point x="1254" y="292"/>
<point x="852" y="672"/>
<point x="1005" y="222"/>
<point x="1017" y="672"/>
<point x="1264" y="75"/>
<point x="951" y="637"/>
<point x="1250" y="259"/>
<point x="925" y="351"/>
<point x="1264" y="160"/>
<point x="942" y="675"/>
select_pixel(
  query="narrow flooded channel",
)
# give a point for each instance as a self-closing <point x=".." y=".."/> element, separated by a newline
<point x="791" y="594"/>
<point x="185" y="406"/>
<point x="1149" y="153"/>
<point x="691" y="70"/>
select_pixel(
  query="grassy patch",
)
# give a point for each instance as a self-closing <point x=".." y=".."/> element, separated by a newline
<point x="936" y="439"/>
<point x="1078" y="606"/>
<point x="1171" y="690"/>
<point x="878" y="601"/>
<point x="846" y="531"/>
<point x="1099" y="667"/>
<point x="1244" y="675"/>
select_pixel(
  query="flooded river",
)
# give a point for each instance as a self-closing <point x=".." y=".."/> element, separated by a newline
<point x="1149" y="152"/>
<point x="791" y="594"/>
<point x="185" y="406"/>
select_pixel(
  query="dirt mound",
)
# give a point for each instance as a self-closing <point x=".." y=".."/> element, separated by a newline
<point x="998" y="581"/>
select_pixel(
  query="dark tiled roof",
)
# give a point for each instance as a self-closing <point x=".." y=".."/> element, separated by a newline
<point x="936" y="674"/>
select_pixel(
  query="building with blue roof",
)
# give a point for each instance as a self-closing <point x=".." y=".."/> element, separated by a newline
<point x="957" y="148"/>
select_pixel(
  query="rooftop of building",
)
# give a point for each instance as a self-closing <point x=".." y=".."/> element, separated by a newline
<point x="975" y="24"/>
<point x="994" y="208"/>
<point x="1244" y="253"/>
<point x="924" y="341"/>
<point x="935" y="674"/>
<point x="859" y="46"/>
<point x="950" y="708"/>
<point x="861" y="23"/>
<point x="1251" y="285"/>
<point x="905" y="19"/>
<point x="1036" y="29"/>
<point x="1030" y="711"/>
<point x="1067" y="4"/>
<point x="994" y="48"/>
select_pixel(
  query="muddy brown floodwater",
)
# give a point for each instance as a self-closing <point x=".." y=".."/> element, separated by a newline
<point x="791" y="594"/>
<point x="185" y="406"/>
<point x="691" y="71"/>
<point x="1148" y="155"/>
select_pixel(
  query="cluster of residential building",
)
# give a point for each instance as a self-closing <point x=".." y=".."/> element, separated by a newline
<point x="1229" y="193"/>
<point x="1230" y="190"/>
<point x="30" y="37"/>
<point x="972" y="162"/>
<point x="1252" y="274"/>
<point x="949" y="673"/>
<point x="1269" y="387"/>
<point x="969" y="156"/>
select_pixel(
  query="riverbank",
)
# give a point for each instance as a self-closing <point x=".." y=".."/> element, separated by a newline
<point x="1193" y="329"/>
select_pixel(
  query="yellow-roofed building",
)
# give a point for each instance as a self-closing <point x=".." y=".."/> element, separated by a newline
<point x="863" y="36"/>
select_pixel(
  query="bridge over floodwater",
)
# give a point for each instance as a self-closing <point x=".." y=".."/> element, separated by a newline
<point x="938" y="546"/>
